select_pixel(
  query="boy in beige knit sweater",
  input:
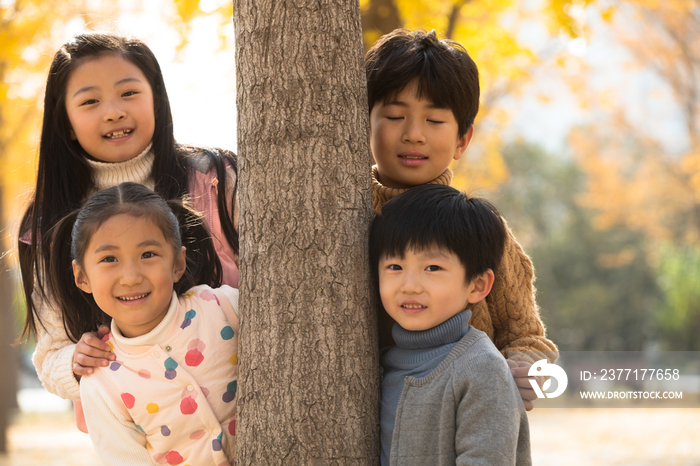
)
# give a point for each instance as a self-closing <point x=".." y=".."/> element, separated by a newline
<point x="423" y="97"/>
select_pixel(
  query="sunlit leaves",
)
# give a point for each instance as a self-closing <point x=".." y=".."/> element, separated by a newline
<point x="632" y="183"/>
<point x="568" y="16"/>
<point x="27" y="37"/>
<point x="633" y="180"/>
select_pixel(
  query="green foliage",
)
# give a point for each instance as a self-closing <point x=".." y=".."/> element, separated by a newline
<point x="679" y="279"/>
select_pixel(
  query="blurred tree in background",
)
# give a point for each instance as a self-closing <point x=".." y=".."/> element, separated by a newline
<point x="596" y="289"/>
<point x="679" y="279"/>
<point x="635" y="181"/>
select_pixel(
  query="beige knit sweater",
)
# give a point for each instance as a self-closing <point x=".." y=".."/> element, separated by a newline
<point x="508" y="315"/>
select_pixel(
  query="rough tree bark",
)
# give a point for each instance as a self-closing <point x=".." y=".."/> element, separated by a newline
<point x="308" y="383"/>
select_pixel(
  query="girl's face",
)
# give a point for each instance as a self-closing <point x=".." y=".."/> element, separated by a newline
<point x="110" y="107"/>
<point x="130" y="267"/>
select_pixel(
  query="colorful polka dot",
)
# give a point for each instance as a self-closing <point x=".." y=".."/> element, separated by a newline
<point x="188" y="318"/>
<point x="207" y="295"/>
<point x="205" y="390"/>
<point x="197" y="434"/>
<point x="152" y="408"/>
<point x="188" y="405"/>
<point x="233" y="359"/>
<point x="197" y="344"/>
<point x="194" y="356"/>
<point x="114" y="366"/>
<point x="189" y="294"/>
<point x="216" y="443"/>
<point x="173" y="457"/>
<point x="191" y="393"/>
<point x="230" y="394"/>
<point x="128" y="400"/>
<point x="140" y="428"/>
<point x="145" y="374"/>
<point x="232" y="427"/>
<point x="165" y="431"/>
<point x="170" y="366"/>
<point x="227" y="333"/>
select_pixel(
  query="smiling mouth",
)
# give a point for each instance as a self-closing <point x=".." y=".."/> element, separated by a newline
<point x="118" y="134"/>
<point x="132" y="298"/>
<point x="413" y="306"/>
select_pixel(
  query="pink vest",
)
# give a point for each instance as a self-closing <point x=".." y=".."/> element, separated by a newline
<point x="182" y="392"/>
<point x="203" y="194"/>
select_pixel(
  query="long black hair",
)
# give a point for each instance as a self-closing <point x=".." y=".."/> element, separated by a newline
<point x="64" y="176"/>
<point x="181" y="226"/>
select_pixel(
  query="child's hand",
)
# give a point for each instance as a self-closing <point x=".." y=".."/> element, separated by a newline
<point x="519" y="370"/>
<point x="91" y="352"/>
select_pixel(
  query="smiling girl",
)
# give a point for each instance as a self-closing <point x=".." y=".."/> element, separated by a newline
<point x="170" y="395"/>
<point x="107" y="120"/>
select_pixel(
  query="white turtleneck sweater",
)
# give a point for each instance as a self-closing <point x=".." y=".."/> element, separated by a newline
<point x="138" y="169"/>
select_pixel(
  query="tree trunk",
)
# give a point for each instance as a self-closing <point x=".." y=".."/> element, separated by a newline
<point x="308" y="376"/>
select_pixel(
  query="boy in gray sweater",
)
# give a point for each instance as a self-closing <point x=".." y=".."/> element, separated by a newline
<point x="448" y="396"/>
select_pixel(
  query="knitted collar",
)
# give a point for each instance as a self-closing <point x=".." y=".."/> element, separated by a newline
<point x="381" y="193"/>
<point x="137" y="169"/>
<point x="158" y="334"/>
<point x="450" y="331"/>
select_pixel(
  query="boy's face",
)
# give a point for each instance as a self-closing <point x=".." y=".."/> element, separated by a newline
<point x="413" y="141"/>
<point x="424" y="289"/>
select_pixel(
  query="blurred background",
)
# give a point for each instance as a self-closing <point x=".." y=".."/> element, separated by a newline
<point x="587" y="140"/>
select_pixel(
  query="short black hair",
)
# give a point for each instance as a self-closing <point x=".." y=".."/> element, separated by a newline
<point x="446" y="73"/>
<point x="439" y="216"/>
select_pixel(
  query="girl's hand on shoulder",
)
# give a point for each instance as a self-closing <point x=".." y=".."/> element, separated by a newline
<point x="519" y="370"/>
<point x="91" y="352"/>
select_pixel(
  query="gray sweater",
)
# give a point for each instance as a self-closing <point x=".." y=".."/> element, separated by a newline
<point x="465" y="411"/>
